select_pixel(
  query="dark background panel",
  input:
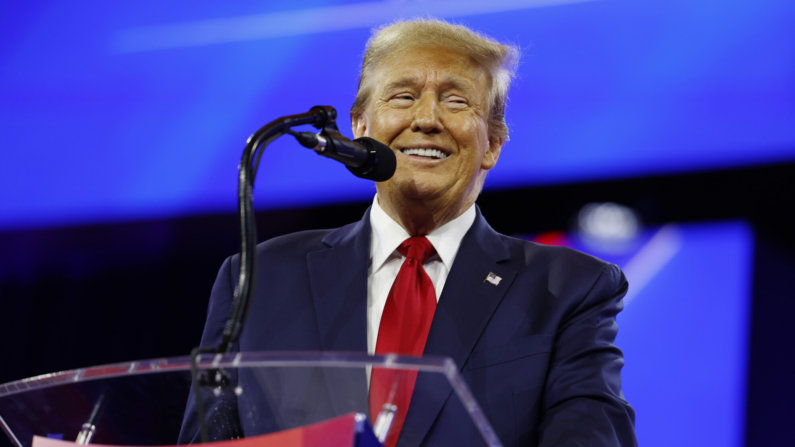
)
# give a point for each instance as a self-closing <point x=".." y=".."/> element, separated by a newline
<point x="771" y="392"/>
<point x="81" y="296"/>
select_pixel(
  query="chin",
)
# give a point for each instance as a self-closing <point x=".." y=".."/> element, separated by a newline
<point x="424" y="192"/>
<point x="417" y="185"/>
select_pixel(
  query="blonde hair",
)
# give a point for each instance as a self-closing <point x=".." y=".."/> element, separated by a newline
<point x="499" y="60"/>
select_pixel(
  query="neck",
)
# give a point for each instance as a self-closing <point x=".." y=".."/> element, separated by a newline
<point x="421" y="217"/>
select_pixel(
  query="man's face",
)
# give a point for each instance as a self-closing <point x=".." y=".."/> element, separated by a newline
<point x="436" y="100"/>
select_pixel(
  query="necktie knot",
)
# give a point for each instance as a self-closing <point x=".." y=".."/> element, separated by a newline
<point x="418" y="247"/>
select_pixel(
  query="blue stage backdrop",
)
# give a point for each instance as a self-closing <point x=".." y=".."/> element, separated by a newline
<point x="139" y="109"/>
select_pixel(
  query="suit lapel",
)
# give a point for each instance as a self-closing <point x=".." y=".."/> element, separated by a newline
<point x="465" y="307"/>
<point x="338" y="278"/>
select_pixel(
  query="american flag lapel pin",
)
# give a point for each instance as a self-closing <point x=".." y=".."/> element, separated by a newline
<point x="492" y="278"/>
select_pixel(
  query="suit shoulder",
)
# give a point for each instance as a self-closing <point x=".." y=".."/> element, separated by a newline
<point x="300" y="242"/>
<point x="294" y="247"/>
<point x="552" y="254"/>
<point x="563" y="265"/>
<point x="304" y="242"/>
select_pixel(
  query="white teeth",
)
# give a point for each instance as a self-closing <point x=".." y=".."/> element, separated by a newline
<point x="425" y="153"/>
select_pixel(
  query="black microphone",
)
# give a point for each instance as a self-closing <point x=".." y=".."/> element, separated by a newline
<point x="365" y="157"/>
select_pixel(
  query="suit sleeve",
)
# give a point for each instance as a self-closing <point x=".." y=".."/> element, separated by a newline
<point x="221" y="412"/>
<point x="583" y="403"/>
<point x="220" y="306"/>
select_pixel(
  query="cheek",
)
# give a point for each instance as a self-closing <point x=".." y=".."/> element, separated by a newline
<point x="473" y="137"/>
<point x="387" y="123"/>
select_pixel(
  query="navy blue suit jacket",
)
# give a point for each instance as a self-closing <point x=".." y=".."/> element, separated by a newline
<point x="537" y="350"/>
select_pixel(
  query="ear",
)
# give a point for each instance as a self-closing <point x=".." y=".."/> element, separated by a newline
<point x="359" y="125"/>
<point x="492" y="153"/>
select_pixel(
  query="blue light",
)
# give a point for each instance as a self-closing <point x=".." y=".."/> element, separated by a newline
<point x="99" y="124"/>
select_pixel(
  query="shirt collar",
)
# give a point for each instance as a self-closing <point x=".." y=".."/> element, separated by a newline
<point x="387" y="235"/>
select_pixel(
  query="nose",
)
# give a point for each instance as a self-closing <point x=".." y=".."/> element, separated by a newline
<point x="426" y="117"/>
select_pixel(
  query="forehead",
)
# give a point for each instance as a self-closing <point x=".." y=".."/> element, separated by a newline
<point x="444" y="67"/>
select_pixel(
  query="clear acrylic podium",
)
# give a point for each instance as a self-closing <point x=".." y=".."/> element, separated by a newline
<point x="152" y="402"/>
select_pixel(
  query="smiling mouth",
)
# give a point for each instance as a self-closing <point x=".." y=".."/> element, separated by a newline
<point x="430" y="154"/>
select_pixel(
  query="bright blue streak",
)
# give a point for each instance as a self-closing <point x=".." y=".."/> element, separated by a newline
<point x="607" y="89"/>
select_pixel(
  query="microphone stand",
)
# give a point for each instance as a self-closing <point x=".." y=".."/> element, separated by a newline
<point x="321" y="117"/>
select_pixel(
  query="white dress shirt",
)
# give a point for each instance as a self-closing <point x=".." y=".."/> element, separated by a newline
<point x="385" y="260"/>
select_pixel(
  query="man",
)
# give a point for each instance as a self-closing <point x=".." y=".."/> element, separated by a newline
<point x="531" y="327"/>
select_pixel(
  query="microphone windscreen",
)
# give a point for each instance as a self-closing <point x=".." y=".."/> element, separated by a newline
<point x="385" y="162"/>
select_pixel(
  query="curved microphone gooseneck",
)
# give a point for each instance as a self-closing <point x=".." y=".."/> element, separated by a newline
<point x="364" y="157"/>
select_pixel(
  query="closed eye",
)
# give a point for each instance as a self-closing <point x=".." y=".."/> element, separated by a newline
<point x="456" y="102"/>
<point x="402" y="100"/>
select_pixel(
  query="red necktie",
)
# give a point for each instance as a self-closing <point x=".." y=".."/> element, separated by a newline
<point x="404" y="329"/>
